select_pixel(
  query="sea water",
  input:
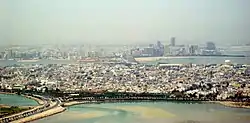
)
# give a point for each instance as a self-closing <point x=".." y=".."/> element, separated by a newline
<point x="162" y="112"/>
<point x="16" y="100"/>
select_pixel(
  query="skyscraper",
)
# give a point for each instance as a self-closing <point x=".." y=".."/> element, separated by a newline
<point x="172" y="40"/>
<point x="193" y="49"/>
<point x="166" y="50"/>
<point x="210" y="46"/>
<point x="159" y="49"/>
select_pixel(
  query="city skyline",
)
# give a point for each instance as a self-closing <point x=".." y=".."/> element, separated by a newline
<point x="124" y="22"/>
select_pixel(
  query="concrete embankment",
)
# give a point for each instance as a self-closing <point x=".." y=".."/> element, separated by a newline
<point x="44" y="114"/>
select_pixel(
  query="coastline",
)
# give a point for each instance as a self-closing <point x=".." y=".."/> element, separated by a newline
<point x="55" y="109"/>
<point x="71" y="103"/>
<point x="225" y="103"/>
<point x="39" y="101"/>
<point x="232" y="104"/>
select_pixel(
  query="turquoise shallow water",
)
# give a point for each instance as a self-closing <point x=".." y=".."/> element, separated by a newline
<point x="164" y="112"/>
<point x="16" y="100"/>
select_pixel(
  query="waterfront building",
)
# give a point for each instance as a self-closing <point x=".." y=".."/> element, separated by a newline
<point x="136" y="52"/>
<point x="172" y="40"/>
<point x="193" y="50"/>
<point x="210" y="46"/>
<point x="159" y="49"/>
<point x="167" y="51"/>
<point x="148" y="51"/>
<point x="210" y="49"/>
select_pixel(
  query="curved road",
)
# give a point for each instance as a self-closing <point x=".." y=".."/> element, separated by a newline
<point x="48" y="105"/>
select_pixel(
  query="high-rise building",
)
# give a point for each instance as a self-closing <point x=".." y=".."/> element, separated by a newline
<point x="193" y="49"/>
<point x="2" y="55"/>
<point x="167" y="50"/>
<point x="159" y="49"/>
<point x="148" y="51"/>
<point x="10" y="54"/>
<point x="210" y="46"/>
<point x="93" y="54"/>
<point x="159" y="44"/>
<point x="136" y="52"/>
<point x="151" y="45"/>
<point x="172" y="40"/>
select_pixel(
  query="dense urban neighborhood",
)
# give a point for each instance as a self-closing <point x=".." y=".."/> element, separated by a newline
<point x="197" y="81"/>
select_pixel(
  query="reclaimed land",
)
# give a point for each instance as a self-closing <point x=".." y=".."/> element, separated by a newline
<point x="6" y="110"/>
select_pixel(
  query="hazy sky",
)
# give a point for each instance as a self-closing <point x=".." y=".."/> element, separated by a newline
<point x="124" y="21"/>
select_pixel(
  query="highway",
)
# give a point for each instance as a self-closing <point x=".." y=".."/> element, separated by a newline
<point x="48" y="104"/>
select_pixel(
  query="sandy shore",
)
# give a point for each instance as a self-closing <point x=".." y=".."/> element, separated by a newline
<point x="41" y="115"/>
<point x="232" y="104"/>
<point x="147" y="112"/>
<point x="71" y="103"/>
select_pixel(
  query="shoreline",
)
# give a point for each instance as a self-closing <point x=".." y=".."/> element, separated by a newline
<point x="53" y="109"/>
<point x="71" y="103"/>
<point x="30" y="108"/>
<point x="39" y="101"/>
<point x="232" y="104"/>
<point x="62" y="108"/>
<point x="224" y="103"/>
